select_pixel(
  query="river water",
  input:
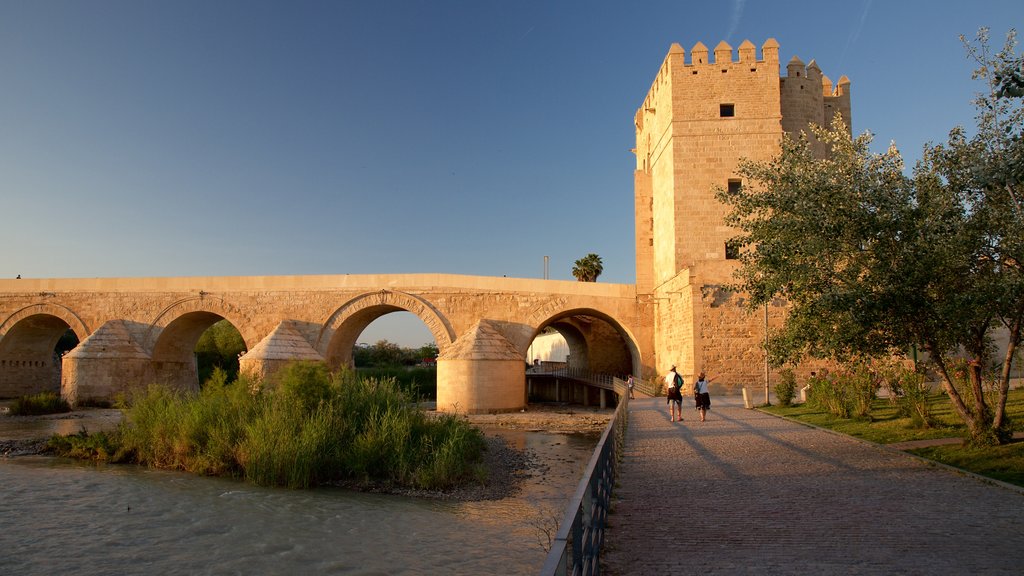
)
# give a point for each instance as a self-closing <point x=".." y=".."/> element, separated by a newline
<point x="65" y="517"/>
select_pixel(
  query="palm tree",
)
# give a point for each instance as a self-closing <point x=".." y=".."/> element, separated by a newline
<point x="588" y="268"/>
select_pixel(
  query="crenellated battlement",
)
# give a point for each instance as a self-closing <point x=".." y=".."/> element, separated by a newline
<point x="724" y="53"/>
<point x="724" y="60"/>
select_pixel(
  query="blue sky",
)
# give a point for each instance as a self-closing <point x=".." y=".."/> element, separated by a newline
<point x="144" y="138"/>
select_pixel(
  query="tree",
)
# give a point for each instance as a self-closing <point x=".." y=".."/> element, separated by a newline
<point x="386" y="353"/>
<point x="428" y="350"/>
<point x="815" y="231"/>
<point x="588" y="268"/>
<point x="872" y="261"/>
<point x="219" y="347"/>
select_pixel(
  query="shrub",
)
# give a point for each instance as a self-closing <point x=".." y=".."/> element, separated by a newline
<point x="100" y="446"/>
<point x="311" y="428"/>
<point x="914" y="399"/>
<point x="845" y="394"/>
<point x="862" y="382"/>
<point x="42" y="403"/>
<point x="419" y="382"/>
<point x="829" y="394"/>
<point x="308" y="384"/>
<point x="785" y="389"/>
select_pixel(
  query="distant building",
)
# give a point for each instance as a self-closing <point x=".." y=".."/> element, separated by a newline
<point x="549" y="346"/>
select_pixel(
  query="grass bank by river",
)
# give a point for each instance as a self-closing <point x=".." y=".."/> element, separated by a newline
<point x="309" y="427"/>
<point x="886" y="425"/>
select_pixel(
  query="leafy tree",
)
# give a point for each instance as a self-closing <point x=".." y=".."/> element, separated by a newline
<point x="219" y="347"/>
<point x="428" y="350"/>
<point x="386" y="353"/>
<point x="872" y="261"/>
<point x="588" y="268"/>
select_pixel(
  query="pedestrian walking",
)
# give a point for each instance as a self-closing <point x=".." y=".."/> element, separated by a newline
<point x="674" y="393"/>
<point x="629" y="384"/>
<point x="701" y="397"/>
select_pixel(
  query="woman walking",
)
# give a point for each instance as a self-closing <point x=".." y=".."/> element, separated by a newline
<point x="674" y="393"/>
<point x="701" y="397"/>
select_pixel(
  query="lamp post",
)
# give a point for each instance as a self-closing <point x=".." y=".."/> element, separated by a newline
<point x="546" y="267"/>
<point x="766" y="402"/>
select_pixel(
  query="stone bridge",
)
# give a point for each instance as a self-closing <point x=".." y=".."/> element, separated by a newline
<point x="136" y="331"/>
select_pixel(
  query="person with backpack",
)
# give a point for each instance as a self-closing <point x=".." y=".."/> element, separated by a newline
<point x="674" y="393"/>
<point x="701" y="396"/>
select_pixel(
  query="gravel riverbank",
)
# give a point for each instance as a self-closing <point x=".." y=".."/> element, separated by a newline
<point x="506" y="466"/>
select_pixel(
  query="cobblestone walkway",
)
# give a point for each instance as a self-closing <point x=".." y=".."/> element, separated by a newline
<point x="748" y="493"/>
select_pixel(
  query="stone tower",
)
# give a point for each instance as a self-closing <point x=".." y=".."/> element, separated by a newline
<point x="701" y="116"/>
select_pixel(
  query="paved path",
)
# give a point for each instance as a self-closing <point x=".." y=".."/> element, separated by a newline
<point x="749" y="493"/>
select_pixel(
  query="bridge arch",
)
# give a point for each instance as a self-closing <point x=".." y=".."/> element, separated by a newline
<point x="29" y="362"/>
<point x="588" y="330"/>
<point x="70" y="318"/>
<point x="343" y="327"/>
<point x="172" y="337"/>
<point x="188" y="314"/>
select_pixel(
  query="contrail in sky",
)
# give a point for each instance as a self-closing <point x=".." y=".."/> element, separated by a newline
<point x="734" y="21"/>
<point x="855" y="33"/>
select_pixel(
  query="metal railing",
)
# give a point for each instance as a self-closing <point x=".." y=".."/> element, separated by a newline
<point x="652" y="387"/>
<point x="576" y="549"/>
<point x="598" y="379"/>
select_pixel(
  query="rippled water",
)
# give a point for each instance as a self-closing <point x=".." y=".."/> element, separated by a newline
<point x="62" y="517"/>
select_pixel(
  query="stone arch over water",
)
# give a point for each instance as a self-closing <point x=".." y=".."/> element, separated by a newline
<point x="29" y="363"/>
<point x="171" y="339"/>
<point x="187" y="315"/>
<point x="343" y="327"/>
<point x="70" y="318"/>
<point x="597" y="341"/>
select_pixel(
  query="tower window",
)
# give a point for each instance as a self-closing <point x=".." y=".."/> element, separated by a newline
<point x="734" y="187"/>
<point x="732" y="250"/>
<point x="726" y="110"/>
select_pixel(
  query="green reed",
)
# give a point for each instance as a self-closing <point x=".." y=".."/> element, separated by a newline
<point x="36" y="404"/>
<point x="305" y="427"/>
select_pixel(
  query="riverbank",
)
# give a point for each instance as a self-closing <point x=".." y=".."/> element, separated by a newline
<point x="506" y="465"/>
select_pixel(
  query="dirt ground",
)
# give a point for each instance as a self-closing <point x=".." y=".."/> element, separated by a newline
<point x="561" y="418"/>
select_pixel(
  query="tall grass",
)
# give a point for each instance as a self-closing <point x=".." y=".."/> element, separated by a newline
<point x="42" y="403"/>
<point x="420" y="382"/>
<point x="304" y="428"/>
<point x="845" y="393"/>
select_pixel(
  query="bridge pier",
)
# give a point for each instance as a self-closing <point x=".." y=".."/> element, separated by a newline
<point x="20" y="376"/>
<point x="481" y="373"/>
<point x="285" y="344"/>
<point x="103" y="365"/>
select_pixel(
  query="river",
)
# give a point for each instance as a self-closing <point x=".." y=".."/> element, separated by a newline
<point x="65" y="517"/>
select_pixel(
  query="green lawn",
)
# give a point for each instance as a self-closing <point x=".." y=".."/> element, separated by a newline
<point x="1004" y="463"/>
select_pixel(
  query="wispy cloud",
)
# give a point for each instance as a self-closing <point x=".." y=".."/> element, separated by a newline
<point x="855" y="32"/>
<point x="734" y="20"/>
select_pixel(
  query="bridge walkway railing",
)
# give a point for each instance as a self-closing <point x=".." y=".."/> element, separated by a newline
<point x="598" y="379"/>
<point x="577" y="545"/>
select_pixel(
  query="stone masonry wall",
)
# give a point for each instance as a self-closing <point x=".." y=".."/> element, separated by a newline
<point x="703" y="114"/>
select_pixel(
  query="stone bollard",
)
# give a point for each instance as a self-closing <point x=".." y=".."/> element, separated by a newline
<point x="803" y="393"/>
<point x="746" y="400"/>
